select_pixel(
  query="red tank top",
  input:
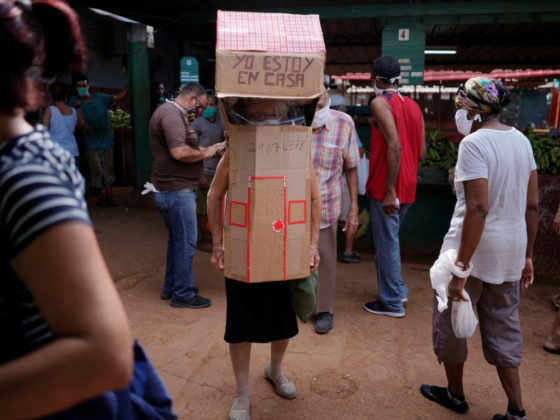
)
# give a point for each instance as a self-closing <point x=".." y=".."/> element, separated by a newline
<point x="408" y="119"/>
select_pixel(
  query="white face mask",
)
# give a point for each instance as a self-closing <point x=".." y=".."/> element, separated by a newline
<point x="464" y="125"/>
<point x="321" y="116"/>
<point x="376" y="90"/>
<point x="379" y="92"/>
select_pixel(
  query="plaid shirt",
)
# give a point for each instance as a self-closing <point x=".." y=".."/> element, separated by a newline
<point x="334" y="149"/>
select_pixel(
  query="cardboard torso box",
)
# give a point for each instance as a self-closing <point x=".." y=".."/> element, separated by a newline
<point x="267" y="219"/>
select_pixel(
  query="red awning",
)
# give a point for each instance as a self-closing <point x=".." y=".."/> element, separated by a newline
<point x="437" y="75"/>
<point x="448" y="75"/>
<point x="353" y="76"/>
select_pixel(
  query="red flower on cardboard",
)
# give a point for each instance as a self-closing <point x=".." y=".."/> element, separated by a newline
<point x="277" y="225"/>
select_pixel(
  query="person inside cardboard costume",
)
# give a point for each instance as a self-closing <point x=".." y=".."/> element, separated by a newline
<point x="258" y="312"/>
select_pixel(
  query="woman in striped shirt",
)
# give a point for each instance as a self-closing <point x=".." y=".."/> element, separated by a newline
<point x="65" y="336"/>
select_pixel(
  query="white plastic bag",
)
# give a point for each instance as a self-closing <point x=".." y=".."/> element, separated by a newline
<point x="149" y="188"/>
<point x="463" y="318"/>
<point x="363" y="174"/>
<point x="440" y="275"/>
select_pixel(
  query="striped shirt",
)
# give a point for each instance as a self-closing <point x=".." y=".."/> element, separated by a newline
<point x="334" y="149"/>
<point x="40" y="187"/>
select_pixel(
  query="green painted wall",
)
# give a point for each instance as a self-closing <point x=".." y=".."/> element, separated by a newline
<point x="406" y="42"/>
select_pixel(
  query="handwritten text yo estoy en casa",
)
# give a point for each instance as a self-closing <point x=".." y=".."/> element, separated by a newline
<point x="272" y="70"/>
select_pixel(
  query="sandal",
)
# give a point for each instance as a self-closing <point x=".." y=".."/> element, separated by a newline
<point x="443" y="397"/>
<point x="285" y="390"/>
<point x="239" y="413"/>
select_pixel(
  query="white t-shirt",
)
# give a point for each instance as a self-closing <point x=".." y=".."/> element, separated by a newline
<point x="505" y="159"/>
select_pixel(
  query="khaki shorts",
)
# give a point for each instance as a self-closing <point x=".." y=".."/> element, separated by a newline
<point x="500" y="328"/>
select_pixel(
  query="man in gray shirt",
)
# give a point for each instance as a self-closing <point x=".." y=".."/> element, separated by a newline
<point x="209" y="129"/>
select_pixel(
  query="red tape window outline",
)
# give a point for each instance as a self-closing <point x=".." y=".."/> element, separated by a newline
<point x="297" y="222"/>
<point x="244" y="205"/>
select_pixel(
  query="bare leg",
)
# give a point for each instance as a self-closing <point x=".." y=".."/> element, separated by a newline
<point x="274" y="373"/>
<point x="512" y="385"/>
<point x="240" y="357"/>
<point x="553" y="340"/>
<point x="277" y="352"/>
<point x="455" y="379"/>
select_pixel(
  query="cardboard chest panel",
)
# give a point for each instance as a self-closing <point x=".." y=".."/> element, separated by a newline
<point x="267" y="216"/>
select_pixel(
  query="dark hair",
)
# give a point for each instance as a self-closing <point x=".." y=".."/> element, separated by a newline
<point x="386" y="67"/>
<point x="192" y="88"/>
<point x="504" y="93"/>
<point x="78" y="77"/>
<point x="46" y="34"/>
<point x="59" y="92"/>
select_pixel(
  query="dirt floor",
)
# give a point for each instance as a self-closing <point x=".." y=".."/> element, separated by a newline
<point x="368" y="367"/>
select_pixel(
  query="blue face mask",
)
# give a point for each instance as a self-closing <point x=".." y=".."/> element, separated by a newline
<point x="83" y="91"/>
<point x="209" y="112"/>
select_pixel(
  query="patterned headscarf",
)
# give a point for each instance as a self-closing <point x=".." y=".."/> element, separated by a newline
<point x="481" y="95"/>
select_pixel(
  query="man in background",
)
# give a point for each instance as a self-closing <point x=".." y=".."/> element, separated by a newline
<point x="347" y="254"/>
<point x="209" y="129"/>
<point x="160" y="96"/>
<point x="334" y="153"/>
<point x="397" y="144"/>
<point x="97" y="135"/>
<point x="176" y="170"/>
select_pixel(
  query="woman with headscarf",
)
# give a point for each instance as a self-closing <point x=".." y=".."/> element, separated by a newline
<point x="493" y="230"/>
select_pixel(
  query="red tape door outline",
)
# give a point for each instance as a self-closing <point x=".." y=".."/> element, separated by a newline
<point x="287" y="220"/>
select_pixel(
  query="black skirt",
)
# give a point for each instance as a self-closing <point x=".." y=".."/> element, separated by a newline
<point x="259" y="312"/>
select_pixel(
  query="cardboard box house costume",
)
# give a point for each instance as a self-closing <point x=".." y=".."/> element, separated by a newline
<point x="267" y="220"/>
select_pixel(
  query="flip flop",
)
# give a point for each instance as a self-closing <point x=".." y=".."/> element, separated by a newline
<point x="443" y="397"/>
<point x="553" y="351"/>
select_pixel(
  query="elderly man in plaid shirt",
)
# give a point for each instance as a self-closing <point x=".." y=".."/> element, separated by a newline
<point x="335" y="152"/>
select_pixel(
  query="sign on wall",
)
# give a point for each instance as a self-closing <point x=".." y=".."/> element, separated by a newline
<point x="406" y="42"/>
<point x="189" y="70"/>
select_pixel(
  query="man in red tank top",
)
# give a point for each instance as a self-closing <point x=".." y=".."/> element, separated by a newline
<point x="397" y="144"/>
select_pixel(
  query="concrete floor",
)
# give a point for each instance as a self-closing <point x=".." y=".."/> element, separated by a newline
<point x="368" y="367"/>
